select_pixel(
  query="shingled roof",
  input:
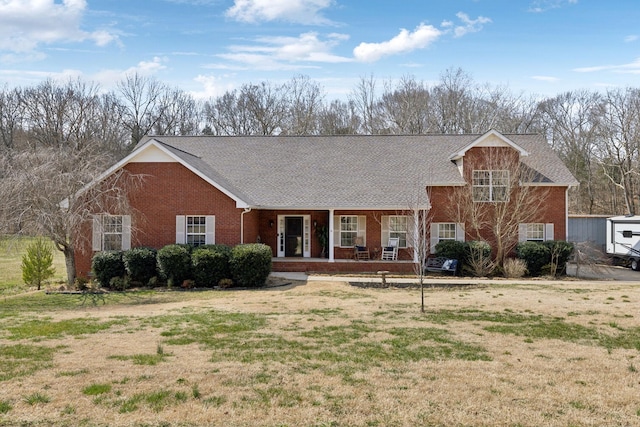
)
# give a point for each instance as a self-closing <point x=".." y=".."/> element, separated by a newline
<point x="341" y="172"/>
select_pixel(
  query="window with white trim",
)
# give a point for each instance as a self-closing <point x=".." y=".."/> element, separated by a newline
<point x="440" y="231"/>
<point x="398" y="227"/>
<point x="196" y="230"/>
<point x="111" y="232"/>
<point x="348" y="230"/>
<point x="535" y="232"/>
<point x="490" y="185"/>
<point x="446" y="231"/>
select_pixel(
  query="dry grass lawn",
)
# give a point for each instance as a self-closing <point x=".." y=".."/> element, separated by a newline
<point x="328" y="354"/>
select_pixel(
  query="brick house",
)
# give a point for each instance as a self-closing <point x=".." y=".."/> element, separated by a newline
<point x="280" y="190"/>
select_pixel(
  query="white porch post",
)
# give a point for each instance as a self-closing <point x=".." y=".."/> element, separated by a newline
<point x="331" y="241"/>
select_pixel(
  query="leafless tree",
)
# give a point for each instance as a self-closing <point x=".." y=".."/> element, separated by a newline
<point x="145" y="101"/>
<point x="304" y="100"/>
<point x="622" y="144"/>
<point x="494" y="211"/>
<point x="181" y="114"/>
<point x="406" y="106"/>
<point x="572" y="121"/>
<point x="364" y="100"/>
<point x="339" y="118"/>
<point x="44" y="193"/>
<point x="11" y="116"/>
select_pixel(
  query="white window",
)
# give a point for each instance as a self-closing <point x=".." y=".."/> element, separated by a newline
<point x="536" y="232"/>
<point x="395" y="226"/>
<point x="111" y="232"/>
<point x="490" y="185"/>
<point x="195" y="230"/>
<point x="350" y="230"/>
<point x="445" y="231"/>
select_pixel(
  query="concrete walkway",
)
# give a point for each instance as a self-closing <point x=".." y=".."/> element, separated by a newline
<point x="596" y="274"/>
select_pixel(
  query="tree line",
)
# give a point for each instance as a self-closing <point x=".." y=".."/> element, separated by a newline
<point x="595" y="133"/>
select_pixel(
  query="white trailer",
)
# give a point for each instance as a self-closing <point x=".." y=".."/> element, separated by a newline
<point x="623" y="239"/>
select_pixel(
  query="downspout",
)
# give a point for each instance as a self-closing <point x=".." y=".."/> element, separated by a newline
<point x="331" y="242"/>
<point x="246" y="210"/>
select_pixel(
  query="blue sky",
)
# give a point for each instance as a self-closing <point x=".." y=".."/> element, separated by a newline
<point x="207" y="47"/>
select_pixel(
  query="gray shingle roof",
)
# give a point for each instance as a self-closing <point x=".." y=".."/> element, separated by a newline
<point x="356" y="171"/>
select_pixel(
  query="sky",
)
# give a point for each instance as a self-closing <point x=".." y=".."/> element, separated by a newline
<point x="208" y="47"/>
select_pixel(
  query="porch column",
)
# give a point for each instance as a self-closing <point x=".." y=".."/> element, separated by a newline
<point x="331" y="241"/>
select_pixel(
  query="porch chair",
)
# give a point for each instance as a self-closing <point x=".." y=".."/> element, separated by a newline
<point x="390" y="252"/>
<point x="359" y="250"/>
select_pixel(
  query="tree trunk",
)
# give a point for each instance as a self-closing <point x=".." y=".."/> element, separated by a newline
<point x="70" y="263"/>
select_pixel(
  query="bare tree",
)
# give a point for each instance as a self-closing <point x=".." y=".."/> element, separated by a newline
<point x="406" y="107"/>
<point x="366" y="105"/>
<point x="304" y="103"/>
<point x="144" y="100"/>
<point x="420" y="217"/>
<point x="622" y="144"/>
<point x="11" y="116"/>
<point x="339" y="118"/>
<point x="493" y="204"/>
<point x="44" y="193"/>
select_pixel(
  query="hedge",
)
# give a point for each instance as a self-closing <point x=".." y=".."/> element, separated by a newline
<point x="106" y="265"/>
<point x="250" y="264"/>
<point x="210" y="264"/>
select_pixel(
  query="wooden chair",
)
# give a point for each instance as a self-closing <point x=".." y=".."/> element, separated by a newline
<point x="390" y="252"/>
<point x="360" y="251"/>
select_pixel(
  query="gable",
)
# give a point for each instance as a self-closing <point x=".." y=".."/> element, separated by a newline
<point x="490" y="139"/>
<point x="152" y="154"/>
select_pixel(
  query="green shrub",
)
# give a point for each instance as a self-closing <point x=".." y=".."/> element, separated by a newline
<point x="140" y="264"/>
<point x="106" y="265"/>
<point x="37" y="263"/>
<point x="174" y="263"/>
<point x="450" y="249"/>
<point x="560" y="251"/>
<point x="210" y="264"/>
<point x="535" y="254"/>
<point x="250" y="264"/>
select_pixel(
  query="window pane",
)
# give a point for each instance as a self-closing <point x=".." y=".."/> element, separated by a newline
<point x="535" y="232"/>
<point x="447" y="231"/>
<point x="349" y="223"/>
<point x="196" y="230"/>
<point x="112" y="242"/>
<point x="348" y="238"/>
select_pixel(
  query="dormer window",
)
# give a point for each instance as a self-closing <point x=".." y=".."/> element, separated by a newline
<point x="490" y="185"/>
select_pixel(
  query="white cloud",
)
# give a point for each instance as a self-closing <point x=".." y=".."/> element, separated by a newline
<point x="284" y="52"/>
<point x="299" y="11"/>
<point x="539" y="6"/>
<point x="631" y="38"/>
<point x="405" y="41"/>
<point x="108" y="78"/>
<point x="25" y="24"/>
<point x="630" y="68"/>
<point x="469" y="25"/>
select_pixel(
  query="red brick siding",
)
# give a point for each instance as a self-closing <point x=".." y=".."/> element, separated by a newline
<point x="170" y="189"/>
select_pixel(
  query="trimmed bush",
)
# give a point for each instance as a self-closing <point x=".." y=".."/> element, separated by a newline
<point x="140" y="264"/>
<point x="535" y="254"/>
<point x="250" y="264"/>
<point x="450" y="249"/>
<point x="174" y="264"/>
<point x="560" y="251"/>
<point x="106" y="265"/>
<point x="210" y="264"/>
